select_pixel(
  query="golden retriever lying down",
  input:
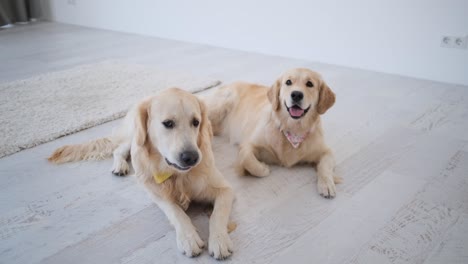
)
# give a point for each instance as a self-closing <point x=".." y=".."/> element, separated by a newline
<point x="169" y="137"/>
<point x="277" y="125"/>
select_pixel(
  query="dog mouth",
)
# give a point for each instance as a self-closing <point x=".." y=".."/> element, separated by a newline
<point x="296" y="111"/>
<point x="177" y="166"/>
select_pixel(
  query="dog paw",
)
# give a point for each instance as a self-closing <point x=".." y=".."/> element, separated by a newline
<point x="326" y="188"/>
<point x="260" y="170"/>
<point x="190" y="243"/>
<point x="264" y="171"/>
<point x="120" y="168"/>
<point x="220" y="245"/>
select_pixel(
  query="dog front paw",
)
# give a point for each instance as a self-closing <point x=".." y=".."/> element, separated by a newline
<point x="263" y="171"/>
<point x="326" y="188"/>
<point x="190" y="243"/>
<point x="220" y="245"/>
<point x="120" y="168"/>
<point x="258" y="170"/>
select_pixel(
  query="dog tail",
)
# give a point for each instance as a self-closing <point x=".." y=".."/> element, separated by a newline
<point x="98" y="149"/>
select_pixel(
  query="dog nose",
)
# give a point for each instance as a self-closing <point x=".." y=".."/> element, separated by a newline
<point x="297" y="96"/>
<point x="188" y="158"/>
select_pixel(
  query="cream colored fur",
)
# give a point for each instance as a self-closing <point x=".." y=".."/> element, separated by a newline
<point x="98" y="149"/>
<point x="151" y="145"/>
<point x="255" y="116"/>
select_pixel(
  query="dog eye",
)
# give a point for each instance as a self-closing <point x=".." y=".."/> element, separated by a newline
<point x="288" y="82"/>
<point x="195" y="122"/>
<point x="309" y="84"/>
<point x="168" y="124"/>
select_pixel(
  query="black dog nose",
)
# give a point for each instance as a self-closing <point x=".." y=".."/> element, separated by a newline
<point x="297" y="96"/>
<point x="188" y="158"/>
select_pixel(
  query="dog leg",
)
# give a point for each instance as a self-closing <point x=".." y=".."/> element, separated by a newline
<point x="188" y="240"/>
<point x="248" y="161"/>
<point x="220" y="244"/>
<point x="325" y="183"/>
<point x="121" y="167"/>
<point x="219" y="104"/>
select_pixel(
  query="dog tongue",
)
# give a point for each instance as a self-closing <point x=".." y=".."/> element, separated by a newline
<point x="296" y="111"/>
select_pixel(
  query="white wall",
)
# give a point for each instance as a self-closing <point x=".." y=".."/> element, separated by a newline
<point x="399" y="36"/>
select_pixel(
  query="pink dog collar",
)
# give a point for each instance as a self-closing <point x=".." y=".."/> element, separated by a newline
<point x="294" y="139"/>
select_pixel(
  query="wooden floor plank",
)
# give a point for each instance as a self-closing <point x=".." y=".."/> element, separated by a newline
<point x="421" y="225"/>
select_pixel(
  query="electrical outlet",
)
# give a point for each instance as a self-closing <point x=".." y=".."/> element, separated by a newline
<point x="460" y="42"/>
<point x="454" y="42"/>
<point x="446" y="41"/>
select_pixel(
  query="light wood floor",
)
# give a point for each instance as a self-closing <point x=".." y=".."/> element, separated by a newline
<point x="400" y="144"/>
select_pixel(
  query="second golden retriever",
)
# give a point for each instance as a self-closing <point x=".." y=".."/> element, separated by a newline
<point x="169" y="139"/>
<point x="278" y="125"/>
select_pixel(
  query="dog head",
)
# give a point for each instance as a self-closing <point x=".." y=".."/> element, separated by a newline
<point x="298" y="92"/>
<point x="174" y="123"/>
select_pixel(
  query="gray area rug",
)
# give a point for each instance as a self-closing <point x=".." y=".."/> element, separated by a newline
<point x="45" y="107"/>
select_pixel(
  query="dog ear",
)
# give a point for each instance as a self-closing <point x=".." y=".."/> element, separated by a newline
<point x="273" y="95"/>
<point x="206" y="132"/>
<point x="141" y="123"/>
<point x="326" y="99"/>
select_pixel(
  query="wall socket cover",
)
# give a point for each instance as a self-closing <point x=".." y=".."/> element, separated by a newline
<point x="454" y="42"/>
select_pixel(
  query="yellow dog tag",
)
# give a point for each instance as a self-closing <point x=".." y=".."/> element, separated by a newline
<point x="161" y="177"/>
